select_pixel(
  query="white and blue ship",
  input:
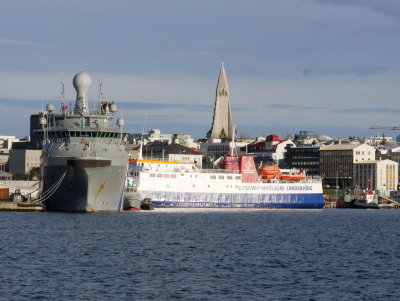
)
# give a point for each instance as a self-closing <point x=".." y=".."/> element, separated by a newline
<point x="177" y="184"/>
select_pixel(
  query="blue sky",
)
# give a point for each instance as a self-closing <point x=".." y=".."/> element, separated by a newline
<point x="328" y="66"/>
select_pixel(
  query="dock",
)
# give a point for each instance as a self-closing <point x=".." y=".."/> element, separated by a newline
<point x="21" y="206"/>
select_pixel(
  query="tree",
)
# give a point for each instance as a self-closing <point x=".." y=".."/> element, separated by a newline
<point x="223" y="136"/>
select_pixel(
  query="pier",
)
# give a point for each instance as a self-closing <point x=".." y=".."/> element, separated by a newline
<point x="21" y="206"/>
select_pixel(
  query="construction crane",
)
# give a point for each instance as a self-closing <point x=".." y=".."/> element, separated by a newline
<point x="393" y="128"/>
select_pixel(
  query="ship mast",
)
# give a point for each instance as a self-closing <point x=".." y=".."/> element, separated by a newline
<point x="63" y="95"/>
<point x="100" y="92"/>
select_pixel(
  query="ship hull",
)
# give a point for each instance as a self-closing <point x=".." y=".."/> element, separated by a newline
<point x="234" y="200"/>
<point x="84" y="189"/>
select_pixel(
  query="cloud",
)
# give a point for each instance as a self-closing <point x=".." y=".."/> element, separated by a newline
<point x="388" y="7"/>
<point x="295" y="107"/>
<point x="17" y="43"/>
<point x="159" y="106"/>
<point x="237" y="55"/>
<point x="391" y="111"/>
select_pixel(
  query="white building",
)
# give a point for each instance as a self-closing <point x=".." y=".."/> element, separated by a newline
<point x="155" y="135"/>
<point x="272" y="148"/>
<point x="377" y="140"/>
<point x="383" y="175"/>
<point x="6" y="143"/>
<point x="214" y="148"/>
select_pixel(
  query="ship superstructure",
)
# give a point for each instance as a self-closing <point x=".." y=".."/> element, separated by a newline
<point x="177" y="184"/>
<point x="84" y="158"/>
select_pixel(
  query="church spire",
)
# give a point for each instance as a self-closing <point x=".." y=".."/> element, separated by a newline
<point x="222" y="86"/>
<point x="222" y="121"/>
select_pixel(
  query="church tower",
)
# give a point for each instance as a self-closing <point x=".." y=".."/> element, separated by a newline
<point x="222" y="121"/>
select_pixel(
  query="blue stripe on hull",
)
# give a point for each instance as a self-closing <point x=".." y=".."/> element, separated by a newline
<point x="242" y="200"/>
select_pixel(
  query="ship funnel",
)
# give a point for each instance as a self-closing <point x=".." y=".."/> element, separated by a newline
<point x="82" y="83"/>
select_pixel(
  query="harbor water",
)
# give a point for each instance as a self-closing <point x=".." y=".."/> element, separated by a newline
<point x="201" y="254"/>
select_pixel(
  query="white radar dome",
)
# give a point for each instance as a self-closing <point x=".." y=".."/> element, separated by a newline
<point x="113" y="107"/>
<point x="82" y="82"/>
<point x="120" y="122"/>
<point x="50" y="107"/>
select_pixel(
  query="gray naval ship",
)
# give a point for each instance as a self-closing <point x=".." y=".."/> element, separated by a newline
<point x="84" y="158"/>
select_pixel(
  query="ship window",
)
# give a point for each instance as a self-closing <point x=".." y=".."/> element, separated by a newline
<point x="213" y="177"/>
<point x="221" y="177"/>
<point x="159" y="175"/>
<point x="229" y="177"/>
<point x="173" y="176"/>
<point x="152" y="175"/>
<point x="166" y="176"/>
<point x="237" y="177"/>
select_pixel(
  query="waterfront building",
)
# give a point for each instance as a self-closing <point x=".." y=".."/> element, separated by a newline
<point x="272" y="149"/>
<point x="155" y="135"/>
<point x="377" y="140"/>
<point x="22" y="161"/>
<point x="215" y="148"/>
<point x="337" y="161"/>
<point x="172" y="152"/>
<point x="304" y="158"/>
<point x="305" y="135"/>
<point x="6" y="143"/>
<point x="382" y="174"/>
<point x="394" y="155"/>
<point x="222" y="127"/>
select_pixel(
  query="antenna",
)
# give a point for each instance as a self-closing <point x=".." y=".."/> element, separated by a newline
<point x="62" y="93"/>
<point x="100" y="91"/>
<point x="141" y="140"/>
<point x="233" y="140"/>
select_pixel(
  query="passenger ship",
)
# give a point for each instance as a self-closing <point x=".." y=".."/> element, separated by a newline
<point x="239" y="185"/>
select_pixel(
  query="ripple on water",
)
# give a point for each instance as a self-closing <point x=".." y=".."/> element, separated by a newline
<point x="201" y="254"/>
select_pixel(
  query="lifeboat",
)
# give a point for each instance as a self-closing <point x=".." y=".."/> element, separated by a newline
<point x="271" y="171"/>
<point x="293" y="177"/>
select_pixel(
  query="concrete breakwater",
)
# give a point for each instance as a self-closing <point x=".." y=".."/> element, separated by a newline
<point x="21" y="206"/>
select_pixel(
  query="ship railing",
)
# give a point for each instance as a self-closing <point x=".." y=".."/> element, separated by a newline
<point x="164" y="159"/>
<point x="220" y="171"/>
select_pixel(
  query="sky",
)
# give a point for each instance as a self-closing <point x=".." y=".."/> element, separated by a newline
<point x="327" y="66"/>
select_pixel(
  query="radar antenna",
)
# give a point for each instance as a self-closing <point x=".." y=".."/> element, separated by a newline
<point x="63" y="95"/>
<point x="100" y="92"/>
